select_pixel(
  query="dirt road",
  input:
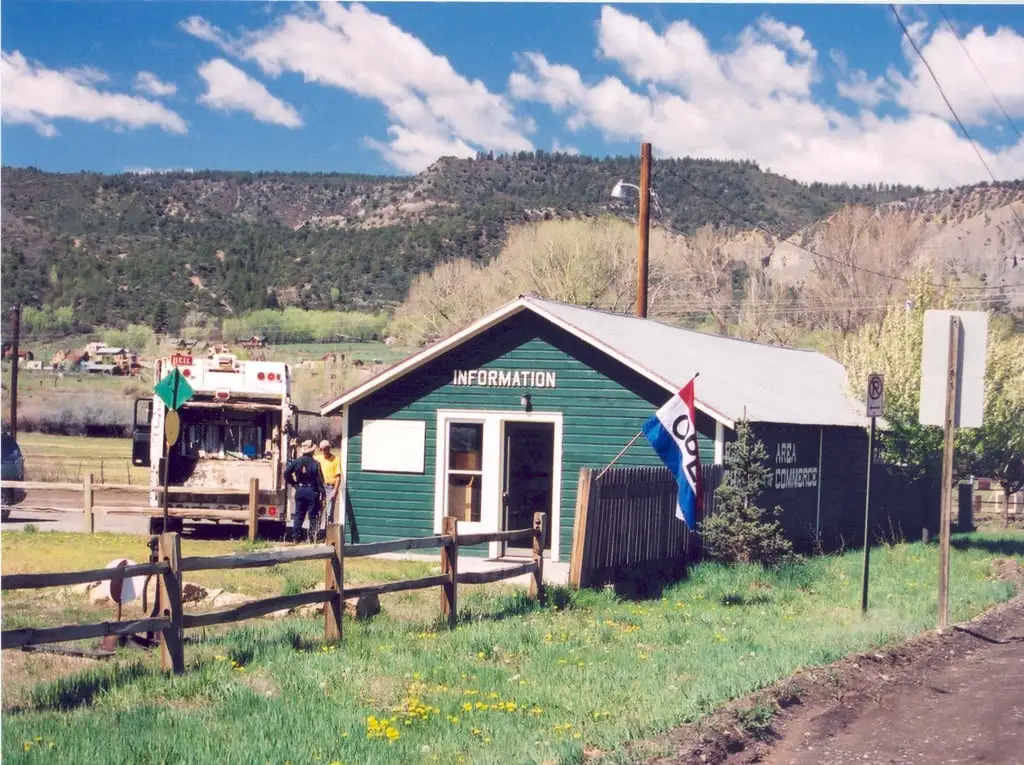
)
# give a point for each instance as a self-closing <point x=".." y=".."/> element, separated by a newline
<point x="62" y="511"/>
<point x="73" y="520"/>
<point x="952" y="697"/>
<point x="964" y="704"/>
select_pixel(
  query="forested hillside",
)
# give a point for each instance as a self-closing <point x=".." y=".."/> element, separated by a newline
<point x="149" y="248"/>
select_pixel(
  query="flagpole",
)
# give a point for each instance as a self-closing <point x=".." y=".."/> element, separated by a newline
<point x="634" y="439"/>
<point x="617" y="456"/>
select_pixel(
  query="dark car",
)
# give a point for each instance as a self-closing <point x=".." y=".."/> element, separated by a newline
<point x="13" y="470"/>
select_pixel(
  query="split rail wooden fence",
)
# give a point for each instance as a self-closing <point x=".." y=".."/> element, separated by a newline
<point x="89" y="489"/>
<point x="172" y="621"/>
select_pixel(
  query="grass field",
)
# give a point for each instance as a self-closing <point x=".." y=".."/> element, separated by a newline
<point x="36" y="552"/>
<point x="69" y="458"/>
<point x="365" y="352"/>
<point x="513" y="683"/>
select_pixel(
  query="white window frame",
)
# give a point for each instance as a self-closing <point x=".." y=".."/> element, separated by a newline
<point x="493" y="459"/>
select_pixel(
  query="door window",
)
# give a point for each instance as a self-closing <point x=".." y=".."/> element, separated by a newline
<point x="465" y="470"/>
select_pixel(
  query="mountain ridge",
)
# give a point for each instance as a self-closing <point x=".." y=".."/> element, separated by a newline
<point x="136" y="247"/>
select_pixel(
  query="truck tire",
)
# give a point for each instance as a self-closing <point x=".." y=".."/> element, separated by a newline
<point x="270" y="530"/>
<point x="156" y="525"/>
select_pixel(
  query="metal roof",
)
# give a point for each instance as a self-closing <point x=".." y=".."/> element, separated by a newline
<point x="738" y="379"/>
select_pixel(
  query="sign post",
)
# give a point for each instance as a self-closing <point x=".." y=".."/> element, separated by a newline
<point x="876" y="408"/>
<point x="952" y="395"/>
<point x="948" y="436"/>
<point x="174" y="391"/>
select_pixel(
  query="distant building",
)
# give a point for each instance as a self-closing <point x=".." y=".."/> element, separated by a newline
<point x="124" y="360"/>
<point x="23" y="353"/>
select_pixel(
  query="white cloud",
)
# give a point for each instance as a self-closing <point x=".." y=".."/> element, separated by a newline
<point x="229" y="89"/>
<point x="433" y="109"/>
<point x="862" y="91"/>
<point x="412" y="151"/>
<point x="149" y="83"/>
<point x="157" y="171"/>
<point x="999" y="56"/>
<point x="559" y="148"/>
<point x="35" y="95"/>
<point x="199" y="27"/>
<point x="856" y="86"/>
<point x="755" y="100"/>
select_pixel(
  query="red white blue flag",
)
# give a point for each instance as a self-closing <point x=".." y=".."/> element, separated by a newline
<point x="672" y="431"/>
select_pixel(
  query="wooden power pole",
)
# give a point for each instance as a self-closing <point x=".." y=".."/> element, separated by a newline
<point x="15" y="351"/>
<point x="645" y="228"/>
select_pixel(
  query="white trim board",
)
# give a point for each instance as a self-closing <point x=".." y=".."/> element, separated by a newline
<point x="341" y="504"/>
<point x="493" y="460"/>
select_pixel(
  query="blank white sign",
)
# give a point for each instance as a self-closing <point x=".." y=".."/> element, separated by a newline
<point x="394" y="446"/>
<point x="971" y="368"/>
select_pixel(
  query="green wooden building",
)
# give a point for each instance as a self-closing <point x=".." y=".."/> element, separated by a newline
<point x="493" y="423"/>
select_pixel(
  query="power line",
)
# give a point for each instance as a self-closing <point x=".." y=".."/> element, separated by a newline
<point x="977" y="69"/>
<point x="974" y="145"/>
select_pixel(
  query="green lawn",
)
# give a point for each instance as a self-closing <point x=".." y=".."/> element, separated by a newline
<point x="69" y="458"/>
<point x="512" y="683"/>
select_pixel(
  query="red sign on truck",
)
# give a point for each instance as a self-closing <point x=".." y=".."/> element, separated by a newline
<point x="181" y="360"/>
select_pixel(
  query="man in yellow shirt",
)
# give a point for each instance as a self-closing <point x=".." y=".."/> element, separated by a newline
<point x="330" y="465"/>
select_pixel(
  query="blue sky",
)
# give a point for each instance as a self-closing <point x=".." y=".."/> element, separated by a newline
<point x="828" y="92"/>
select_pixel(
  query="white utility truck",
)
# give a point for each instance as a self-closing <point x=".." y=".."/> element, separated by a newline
<point x="234" y="428"/>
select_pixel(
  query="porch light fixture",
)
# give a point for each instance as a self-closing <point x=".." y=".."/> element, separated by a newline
<point x="524" y="399"/>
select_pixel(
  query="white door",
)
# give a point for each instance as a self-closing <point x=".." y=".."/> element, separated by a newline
<point x="470" y="481"/>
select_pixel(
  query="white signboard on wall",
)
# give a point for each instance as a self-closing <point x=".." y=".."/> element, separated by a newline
<point x="394" y="446"/>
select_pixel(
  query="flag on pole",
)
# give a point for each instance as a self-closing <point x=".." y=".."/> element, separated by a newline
<point x="672" y="431"/>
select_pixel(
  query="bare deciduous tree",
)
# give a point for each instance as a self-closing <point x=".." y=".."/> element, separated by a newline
<point x="708" y="269"/>
<point x="589" y="263"/>
<point x="857" y="252"/>
<point x="767" y="312"/>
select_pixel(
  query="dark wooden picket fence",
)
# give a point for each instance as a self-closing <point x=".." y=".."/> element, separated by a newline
<point x="626" y="524"/>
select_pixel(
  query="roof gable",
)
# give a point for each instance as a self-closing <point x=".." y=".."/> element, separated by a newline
<point x="738" y="379"/>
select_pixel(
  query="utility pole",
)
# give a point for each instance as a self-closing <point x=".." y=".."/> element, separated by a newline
<point x="15" y="337"/>
<point x="645" y="228"/>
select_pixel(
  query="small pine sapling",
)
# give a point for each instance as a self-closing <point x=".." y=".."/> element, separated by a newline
<point x="740" y="530"/>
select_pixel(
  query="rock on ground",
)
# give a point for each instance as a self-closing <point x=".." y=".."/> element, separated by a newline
<point x="192" y="593"/>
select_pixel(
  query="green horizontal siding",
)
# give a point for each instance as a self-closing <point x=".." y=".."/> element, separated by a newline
<point x="603" y="405"/>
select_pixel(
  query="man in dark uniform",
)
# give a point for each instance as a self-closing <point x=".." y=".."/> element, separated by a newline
<point x="305" y="476"/>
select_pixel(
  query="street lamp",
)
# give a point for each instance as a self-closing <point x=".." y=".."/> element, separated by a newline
<point x="619" y="193"/>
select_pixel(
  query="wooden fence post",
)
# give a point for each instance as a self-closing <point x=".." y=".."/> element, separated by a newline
<point x="450" y="568"/>
<point x="577" y="575"/>
<point x="254" y="501"/>
<point x="540" y="524"/>
<point x="334" y="579"/>
<point x="90" y="519"/>
<point x="172" y="639"/>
